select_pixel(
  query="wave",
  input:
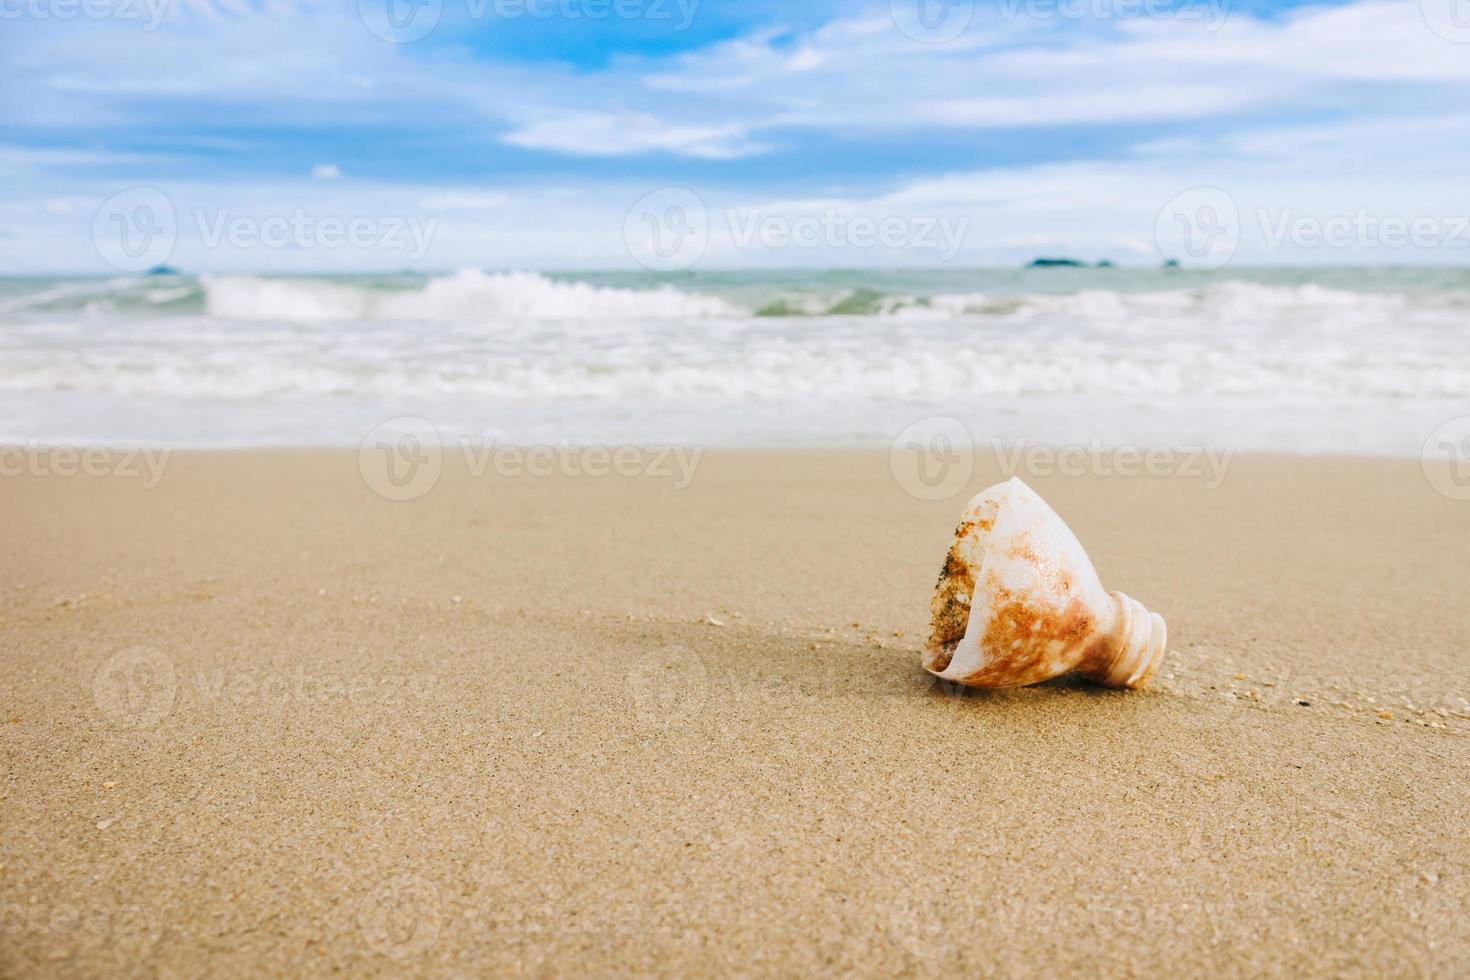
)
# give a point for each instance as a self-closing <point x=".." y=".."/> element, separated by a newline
<point x="66" y="295"/>
<point x="474" y="297"/>
<point x="772" y="355"/>
<point x="1219" y="300"/>
<point x="1231" y="299"/>
<point x="913" y="377"/>
<point x="466" y="296"/>
<point x="149" y="295"/>
<point x="1285" y="358"/>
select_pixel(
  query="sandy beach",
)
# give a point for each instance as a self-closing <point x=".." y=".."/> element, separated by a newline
<point x="260" y="719"/>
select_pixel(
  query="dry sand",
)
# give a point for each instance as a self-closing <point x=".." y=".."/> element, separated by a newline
<point x="260" y="720"/>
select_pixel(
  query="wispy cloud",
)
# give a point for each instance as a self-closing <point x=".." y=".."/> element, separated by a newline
<point x="621" y="133"/>
<point x="1040" y="131"/>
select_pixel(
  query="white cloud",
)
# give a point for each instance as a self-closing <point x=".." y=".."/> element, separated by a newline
<point x="621" y="133"/>
<point x="464" y="200"/>
<point x="23" y="159"/>
<point x="1378" y="87"/>
<point x="732" y="99"/>
<point x="1009" y="72"/>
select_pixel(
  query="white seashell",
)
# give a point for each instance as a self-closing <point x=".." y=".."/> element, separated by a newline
<point x="1018" y="602"/>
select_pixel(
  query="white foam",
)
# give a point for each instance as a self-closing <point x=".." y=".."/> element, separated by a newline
<point x="467" y="296"/>
<point x="628" y="353"/>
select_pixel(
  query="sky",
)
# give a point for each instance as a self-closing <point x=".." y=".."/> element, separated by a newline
<point x="317" y="136"/>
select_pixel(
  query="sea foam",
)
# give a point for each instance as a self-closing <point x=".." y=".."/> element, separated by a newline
<point x="468" y="295"/>
<point x="1239" y="359"/>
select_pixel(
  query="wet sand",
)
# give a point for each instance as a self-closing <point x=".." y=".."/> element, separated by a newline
<point x="258" y="718"/>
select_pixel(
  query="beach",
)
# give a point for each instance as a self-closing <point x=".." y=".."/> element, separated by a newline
<point x="482" y="484"/>
<point x="260" y="718"/>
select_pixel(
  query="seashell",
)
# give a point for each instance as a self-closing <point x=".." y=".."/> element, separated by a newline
<point x="1018" y="602"/>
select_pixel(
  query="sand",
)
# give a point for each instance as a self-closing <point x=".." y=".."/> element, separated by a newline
<point x="259" y="719"/>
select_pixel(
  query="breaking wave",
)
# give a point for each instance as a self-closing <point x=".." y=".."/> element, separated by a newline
<point x="472" y="296"/>
<point x="466" y="296"/>
<point x="624" y="348"/>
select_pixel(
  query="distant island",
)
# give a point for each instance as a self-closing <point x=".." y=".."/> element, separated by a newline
<point x="1064" y="263"/>
<point x="162" y="270"/>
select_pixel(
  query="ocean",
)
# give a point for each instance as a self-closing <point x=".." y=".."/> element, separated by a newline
<point x="1287" y="360"/>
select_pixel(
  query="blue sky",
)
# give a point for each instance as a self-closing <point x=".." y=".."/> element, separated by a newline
<point x="526" y="130"/>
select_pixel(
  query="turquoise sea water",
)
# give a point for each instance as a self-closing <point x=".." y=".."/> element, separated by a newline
<point x="1319" y="360"/>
